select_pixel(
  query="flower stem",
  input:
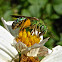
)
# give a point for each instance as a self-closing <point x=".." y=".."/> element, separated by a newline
<point x="19" y="56"/>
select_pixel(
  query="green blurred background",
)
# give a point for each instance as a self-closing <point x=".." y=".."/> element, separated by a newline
<point x="50" y="11"/>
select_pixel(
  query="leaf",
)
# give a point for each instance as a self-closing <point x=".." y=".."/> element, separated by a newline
<point x="47" y="22"/>
<point x="50" y="43"/>
<point x="38" y="2"/>
<point x="60" y="36"/>
<point x="35" y="10"/>
<point x="42" y="3"/>
<point x="33" y="1"/>
<point x="58" y="8"/>
<point x="25" y="12"/>
<point x="56" y="37"/>
<point x="55" y="16"/>
<point x="57" y="1"/>
<point x="60" y="42"/>
<point x="49" y="9"/>
<point x="7" y="15"/>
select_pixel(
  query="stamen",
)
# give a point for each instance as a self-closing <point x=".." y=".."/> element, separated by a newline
<point x="27" y="38"/>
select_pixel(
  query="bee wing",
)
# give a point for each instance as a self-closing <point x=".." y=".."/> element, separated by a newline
<point x="32" y="18"/>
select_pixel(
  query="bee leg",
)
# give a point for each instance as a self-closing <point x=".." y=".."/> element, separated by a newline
<point x="42" y="33"/>
<point x="38" y="30"/>
<point x="30" y="27"/>
<point x="31" y="32"/>
<point x="20" y="30"/>
<point x="34" y="29"/>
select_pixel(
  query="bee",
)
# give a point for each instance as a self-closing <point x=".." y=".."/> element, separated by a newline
<point x="22" y="21"/>
<point x="32" y="22"/>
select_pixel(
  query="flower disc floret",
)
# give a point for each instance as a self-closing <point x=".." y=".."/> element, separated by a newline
<point x="27" y="38"/>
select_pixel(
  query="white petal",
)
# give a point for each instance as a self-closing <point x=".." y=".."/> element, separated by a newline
<point x="41" y="51"/>
<point x="4" y="56"/>
<point x="6" y="49"/>
<point x="1" y="60"/>
<point x="33" y="52"/>
<point x="55" y="56"/>
<point x="49" y="51"/>
<point x="10" y="49"/>
<point x="19" y="45"/>
<point x="8" y="26"/>
<point x="6" y="35"/>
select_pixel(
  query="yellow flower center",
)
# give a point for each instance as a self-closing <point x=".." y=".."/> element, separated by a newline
<point x="27" y="38"/>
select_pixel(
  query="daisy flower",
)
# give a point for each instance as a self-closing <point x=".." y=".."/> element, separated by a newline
<point x="30" y="46"/>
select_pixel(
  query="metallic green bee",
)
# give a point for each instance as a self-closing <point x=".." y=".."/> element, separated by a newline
<point x="31" y="22"/>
